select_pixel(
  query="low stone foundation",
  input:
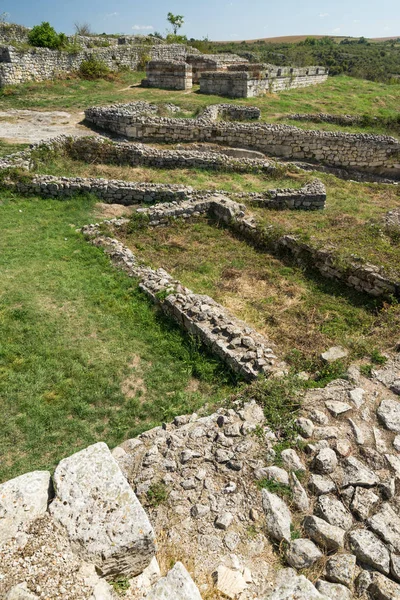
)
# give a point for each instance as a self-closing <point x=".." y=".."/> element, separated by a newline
<point x="377" y="154"/>
<point x="102" y="151"/>
<point x="244" y="350"/>
<point x="252" y="80"/>
<point x="169" y="75"/>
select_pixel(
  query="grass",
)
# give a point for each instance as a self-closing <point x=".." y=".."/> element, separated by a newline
<point x="352" y="221"/>
<point x="337" y="95"/>
<point x="83" y="355"/>
<point x="293" y="308"/>
<point x="9" y="148"/>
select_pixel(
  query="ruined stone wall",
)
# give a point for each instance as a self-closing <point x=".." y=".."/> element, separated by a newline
<point x="10" y="32"/>
<point x="376" y="154"/>
<point x="39" y="64"/>
<point x="212" y="62"/>
<point x="169" y="75"/>
<point x="100" y="150"/>
<point x="248" y="81"/>
<point x="245" y="351"/>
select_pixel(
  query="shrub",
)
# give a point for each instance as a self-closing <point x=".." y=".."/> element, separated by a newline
<point x="45" y="36"/>
<point x="93" y="68"/>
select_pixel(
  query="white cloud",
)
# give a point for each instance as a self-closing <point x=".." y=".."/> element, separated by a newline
<point x="336" y="30"/>
<point x="323" y="15"/>
<point x="356" y="20"/>
<point x="142" y="27"/>
<point x="114" y="14"/>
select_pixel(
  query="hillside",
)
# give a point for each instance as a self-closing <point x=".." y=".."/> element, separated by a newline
<point x="294" y="39"/>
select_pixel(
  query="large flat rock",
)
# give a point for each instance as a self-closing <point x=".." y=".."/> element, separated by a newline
<point x="105" y="522"/>
<point x="22" y="500"/>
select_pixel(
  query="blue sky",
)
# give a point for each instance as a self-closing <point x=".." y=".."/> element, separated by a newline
<point x="217" y="19"/>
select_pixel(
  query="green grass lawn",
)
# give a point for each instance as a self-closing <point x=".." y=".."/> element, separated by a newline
<point x="297" y="310"/>
<point x="83" y="355"/>
<point x="337" y="96"/>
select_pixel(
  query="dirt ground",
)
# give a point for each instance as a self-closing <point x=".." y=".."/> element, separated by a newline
<point x="31" y="126"/>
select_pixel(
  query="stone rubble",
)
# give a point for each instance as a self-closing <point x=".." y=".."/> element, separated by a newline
<point x="220" y="513"/>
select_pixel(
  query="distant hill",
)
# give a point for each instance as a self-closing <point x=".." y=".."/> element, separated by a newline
<point x="294" y="39"/>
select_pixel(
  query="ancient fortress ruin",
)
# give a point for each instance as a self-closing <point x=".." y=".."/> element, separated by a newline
<point x="168" y="66"/>
<point x="213" y="505"/>
<point x="231" y="77"/>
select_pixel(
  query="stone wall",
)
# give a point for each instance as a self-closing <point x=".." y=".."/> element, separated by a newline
<point x="249" y="81"/>
<point x="11" y="32"/>
<point x="363" y="277"/>
<point x="113" y="191"/>
<point x="211" y="62"/>
<point x="244" y="350"/>
<point x="376" y="154"/>
<point x="169" y="75"/>
<point x="39" y="64"/>
<point x="101" y="150"/>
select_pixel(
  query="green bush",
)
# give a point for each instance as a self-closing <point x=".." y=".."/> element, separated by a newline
<point x="45" y="36"/>
<point x="93" y="68"/>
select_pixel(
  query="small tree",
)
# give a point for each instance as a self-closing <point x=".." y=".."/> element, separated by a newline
<point x="176" y="21"/>
<point x="82" y="28"/>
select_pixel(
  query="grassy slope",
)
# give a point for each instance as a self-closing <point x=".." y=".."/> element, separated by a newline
<point x="337" y="95"/>
<point x="83" y="355"/>
<point x="291" y="307"/>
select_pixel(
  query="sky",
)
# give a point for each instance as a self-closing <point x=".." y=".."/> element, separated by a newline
<point x="215" y="19"/>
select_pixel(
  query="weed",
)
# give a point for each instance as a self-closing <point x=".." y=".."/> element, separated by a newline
<point x="377" y="358"/>
<point x="295" y="534"/>
<point x="366" y="370"/>
<point x="252" y="532"/>
<point x="120" y="585"/>
<point x="275" y="487"/>
<point x="157" y="494"/>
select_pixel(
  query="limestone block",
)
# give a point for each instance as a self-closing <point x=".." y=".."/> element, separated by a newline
<point x="105" y="522"/>
<point x="22" y="500"/>
<point x="177" y="585"/>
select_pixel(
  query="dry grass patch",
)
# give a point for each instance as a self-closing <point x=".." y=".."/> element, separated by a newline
<point x="296" y="310"/>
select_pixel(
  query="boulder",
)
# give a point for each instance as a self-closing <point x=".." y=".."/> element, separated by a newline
<point x="21" y="592"/>
<point x="357" y="473"/>
<point x="341" y="568"/>
<point x="302" y="553"/>
<point x="386" y="524"/>
<point x="334" y="591"/>
<point x="105" y="522"/>
<point x="291" y="460"/>
<point x="177" y="585"/>
<point x="300" y="499"/>
<point x="370" y="550"/>
<point x="325" y="461"/>
<point x="389" y="413"/>
<point x="363" y="502"/>
<point x="333" y="511"/>
<point x="277" y="516"/>
<point x="290" y="587"/>
<point x="326" y="535"/>
<point x="23" y="500"/>
<point x="383" y="588"/>
<point x="321" y="485"/>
